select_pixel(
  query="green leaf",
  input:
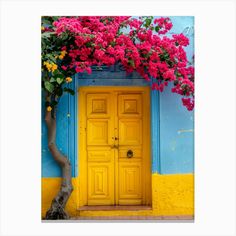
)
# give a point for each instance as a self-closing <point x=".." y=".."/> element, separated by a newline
<point x="59" y="91"/>
<point x="49" y="86"/>
<point x="55" y="18"/>
<point x="64" y="36"/>
<point x="131" y="62"/>
<point x="157" y="28"/>
<point x="178" y="74"/>
<point x="57" y="73"/>
<point x="52" y="79"/>
<point x="46" y="22"/>
<point x="148" y="22"/>
<point x="59" y="80"/>
<point x="113" y="43"/>
<point x="47" y="34"/>
<point x="68" y="90"/>
<point x="52" y="58"/>
<point x="88" y="44"/>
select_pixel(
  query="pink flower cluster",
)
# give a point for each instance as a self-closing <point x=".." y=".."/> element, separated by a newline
<point x="164" y="24"/>
<point x="180" y="39"/>
<point x="189" y="103"/>
<point x="102" y="41"/>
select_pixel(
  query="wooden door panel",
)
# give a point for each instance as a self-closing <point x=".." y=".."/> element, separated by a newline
<point x="100" y="183"/>
<point x="130" y="183"/>
<point x="130" y="132"/>
<point x="129" y="105"/>
<point x="98" y="132"/>
<point x="137" y="152"/>
<point x="98" y="105"/>
<point x="100" y="155"/>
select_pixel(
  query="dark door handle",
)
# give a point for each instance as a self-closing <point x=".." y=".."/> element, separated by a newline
<point x="130" y="153"/>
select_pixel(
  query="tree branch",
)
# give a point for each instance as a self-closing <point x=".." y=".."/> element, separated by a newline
<point x="56" y="210"/>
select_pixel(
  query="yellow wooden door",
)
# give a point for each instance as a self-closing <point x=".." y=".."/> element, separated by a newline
<point x="130" y="148"/>
<point x="100" y="155"/>
<point x="116" y="167"/>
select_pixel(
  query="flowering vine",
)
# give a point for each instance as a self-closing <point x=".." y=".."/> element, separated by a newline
<point x="73" y="44"/>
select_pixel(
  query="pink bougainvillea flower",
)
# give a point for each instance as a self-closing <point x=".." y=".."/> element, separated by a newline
<point x="101" y="40"/>
<point x="180" y="39"/>
<point x="64" y="67"/>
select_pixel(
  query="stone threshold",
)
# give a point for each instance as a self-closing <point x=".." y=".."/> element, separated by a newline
<point x="115" y="208"/>
<point x="177" y="217"/>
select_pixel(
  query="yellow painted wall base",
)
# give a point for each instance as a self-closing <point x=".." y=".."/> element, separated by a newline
<point x="172" y="194"/>
<point x="50" y="188"/>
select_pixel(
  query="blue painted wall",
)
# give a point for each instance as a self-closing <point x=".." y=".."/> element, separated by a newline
<point x="172" y="125"/>
<point x="176" y="123"/>
<point x="49" y="166"/>
<point x="176" y="135"/>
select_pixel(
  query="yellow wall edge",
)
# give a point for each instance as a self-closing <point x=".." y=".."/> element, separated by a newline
<point x="50" y="188"/>
<point x="172" y="194"/>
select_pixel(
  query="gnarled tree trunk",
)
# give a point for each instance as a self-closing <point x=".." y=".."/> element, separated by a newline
<point x="57" y="209"/>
